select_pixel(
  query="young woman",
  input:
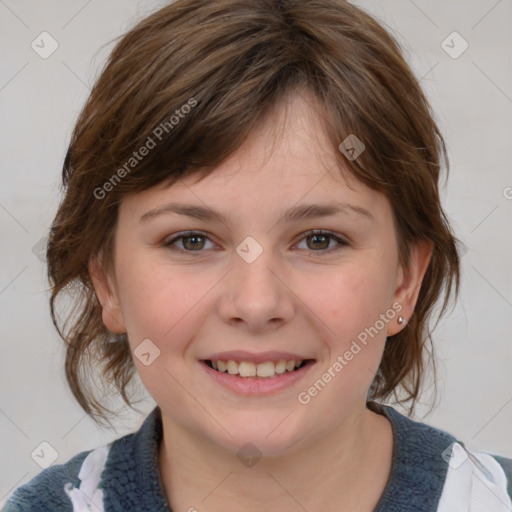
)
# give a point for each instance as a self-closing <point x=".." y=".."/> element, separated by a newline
<point x="252" y="223"/>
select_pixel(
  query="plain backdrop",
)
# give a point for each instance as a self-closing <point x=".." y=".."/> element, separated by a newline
<point x="471" y="94"/>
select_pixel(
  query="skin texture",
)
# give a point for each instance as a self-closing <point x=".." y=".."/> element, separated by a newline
<point x="301" y="295"/>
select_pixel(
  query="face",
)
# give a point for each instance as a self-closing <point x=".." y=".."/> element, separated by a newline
<point x="252" y="284"/>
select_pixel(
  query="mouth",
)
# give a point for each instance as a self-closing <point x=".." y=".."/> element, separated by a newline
<point x="263" y="370"/>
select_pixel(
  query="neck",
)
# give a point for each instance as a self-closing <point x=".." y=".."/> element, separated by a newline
<point x="316" y="474"/>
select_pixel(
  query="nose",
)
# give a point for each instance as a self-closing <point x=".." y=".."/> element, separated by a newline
<point x="257" y="296"/>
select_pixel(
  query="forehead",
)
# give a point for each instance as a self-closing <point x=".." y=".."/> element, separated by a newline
<point x="287" y="159"/>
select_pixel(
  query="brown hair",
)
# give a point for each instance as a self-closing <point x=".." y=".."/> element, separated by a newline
<point x="231" y="61"/>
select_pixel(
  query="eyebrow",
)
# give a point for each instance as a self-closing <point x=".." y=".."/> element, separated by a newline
<point x="295" y="213"/>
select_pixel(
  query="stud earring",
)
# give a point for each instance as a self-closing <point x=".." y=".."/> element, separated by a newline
<point x="401" y="320"/>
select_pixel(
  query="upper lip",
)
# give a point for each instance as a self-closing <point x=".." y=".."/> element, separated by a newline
<point x="260" y="357"/>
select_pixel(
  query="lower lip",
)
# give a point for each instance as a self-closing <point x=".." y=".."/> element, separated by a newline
<point x="257" y="385"/>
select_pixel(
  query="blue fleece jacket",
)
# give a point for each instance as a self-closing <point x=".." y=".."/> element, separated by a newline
<point x="431" y="472"/>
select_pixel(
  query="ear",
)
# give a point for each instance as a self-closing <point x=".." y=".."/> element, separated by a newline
<point x="408" y="283"/>
<point x="107" y="295"/>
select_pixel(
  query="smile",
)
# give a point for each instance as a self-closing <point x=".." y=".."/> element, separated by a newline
<point x="266" y="369"/>
<point x="262" y="378"/>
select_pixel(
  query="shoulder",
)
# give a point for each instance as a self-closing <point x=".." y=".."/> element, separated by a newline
<point x="436" y="471"/>
<point x="475" y="478"/>
<point x="121" y="475"/>
<point x="63" y="487"/>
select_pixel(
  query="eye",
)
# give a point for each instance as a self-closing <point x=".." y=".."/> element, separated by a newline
<point x="321" y="240"/>
<point x="195" y="241"/>
<point x="191" y="241"/>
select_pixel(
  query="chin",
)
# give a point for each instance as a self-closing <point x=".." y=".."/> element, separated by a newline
<point x="257" y="437"/>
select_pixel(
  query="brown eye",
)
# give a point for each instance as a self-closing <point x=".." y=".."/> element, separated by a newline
<point x="193" y="242"/>
<point x="321" y="241"/>
<point x="190" y="242"/>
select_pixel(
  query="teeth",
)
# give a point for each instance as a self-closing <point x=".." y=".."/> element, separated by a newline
<point x="263" y="369"/>
<point x="249" y="369"/>
<point x="232" y="367"/>
<point x="281" y="367"/>
<point x="246" y="369"/>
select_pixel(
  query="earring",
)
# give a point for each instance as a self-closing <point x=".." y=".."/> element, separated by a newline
<point x="401" y="320"/>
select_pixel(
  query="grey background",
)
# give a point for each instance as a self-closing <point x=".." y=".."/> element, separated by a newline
<point x="39" y="101"/>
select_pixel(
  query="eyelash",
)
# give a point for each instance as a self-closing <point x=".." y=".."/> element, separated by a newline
<point x="190" y="234"/>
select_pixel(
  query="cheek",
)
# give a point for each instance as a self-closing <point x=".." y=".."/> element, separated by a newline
<point x="349" y="306"/>
<point x="166" y="307"/>
<point x="159" y="303"/>
<point x="351" y="299"/>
